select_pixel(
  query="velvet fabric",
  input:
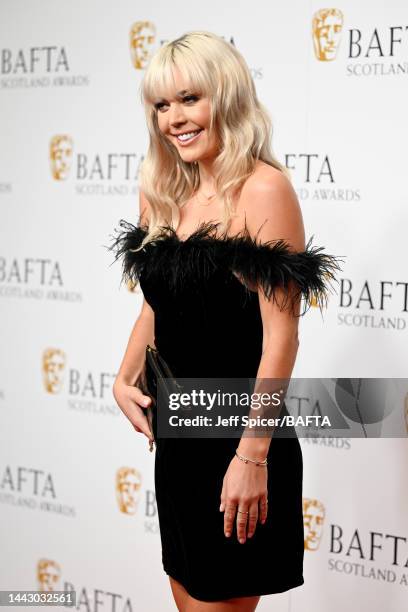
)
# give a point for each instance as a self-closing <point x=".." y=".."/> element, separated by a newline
<point x="208" y="324"/>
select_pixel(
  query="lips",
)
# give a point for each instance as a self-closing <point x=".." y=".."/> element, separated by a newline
<point x="187" y="132"/>
<point x="194" y="134"/>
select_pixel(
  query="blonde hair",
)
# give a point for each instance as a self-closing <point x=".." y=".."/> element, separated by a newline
<point x="215" y="69"/>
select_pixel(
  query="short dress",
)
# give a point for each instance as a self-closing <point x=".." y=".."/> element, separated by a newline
<point x="208" y="324"/>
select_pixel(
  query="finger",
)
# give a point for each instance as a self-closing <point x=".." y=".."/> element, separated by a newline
<point x="140" y="398"/>
<point x="229" y="516"/>
<point x="242" y="520"/>
<point x="252" y="519"/>
<point x="222" y="504"/>
<point x="263" y="509"/>
<point x="138" y="419"/>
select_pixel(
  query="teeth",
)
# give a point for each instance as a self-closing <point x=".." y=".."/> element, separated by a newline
<point x="187" y="136"/>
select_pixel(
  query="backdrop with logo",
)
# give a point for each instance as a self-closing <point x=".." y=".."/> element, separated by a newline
<point x="76" y="481"/>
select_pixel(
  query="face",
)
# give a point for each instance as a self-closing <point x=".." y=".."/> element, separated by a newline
<point x="142" y="37"/>
<point x="61" y="156"/>
<point x="128" y="489"/>
<point x="53" y="367"/>
<point x="185" y="119"/>
<point x="48" y="575"/>
<point x="313" y="519"/>
<point x="327" y="36"/>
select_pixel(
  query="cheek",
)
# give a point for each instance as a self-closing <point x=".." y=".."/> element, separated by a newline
<point x="202" y="115"/>
<point x="162" y="122"/>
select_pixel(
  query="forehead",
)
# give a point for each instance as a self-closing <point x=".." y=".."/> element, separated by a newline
<point x="171" y="83"/>
<point x="329" y="20"/>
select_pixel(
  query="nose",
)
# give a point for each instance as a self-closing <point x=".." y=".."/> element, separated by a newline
<point x="177" y="116"/>
<point x="331" y="34"/>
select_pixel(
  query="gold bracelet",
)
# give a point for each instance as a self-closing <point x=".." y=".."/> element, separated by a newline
<point x="245" y="460"/>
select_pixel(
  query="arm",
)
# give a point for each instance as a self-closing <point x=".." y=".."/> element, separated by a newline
<point x="129" y="398"/>
<point x="276" y="202"/>
<point x="272" y="205"/>
<point x="142" y="334"/>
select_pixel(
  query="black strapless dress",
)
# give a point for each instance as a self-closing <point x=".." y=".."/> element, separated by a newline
<point x="208" y="324"/>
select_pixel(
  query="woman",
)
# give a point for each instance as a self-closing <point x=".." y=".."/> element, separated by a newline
<point x="220" y="255"/>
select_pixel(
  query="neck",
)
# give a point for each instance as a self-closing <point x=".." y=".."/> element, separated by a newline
<point x="207" y="178"/>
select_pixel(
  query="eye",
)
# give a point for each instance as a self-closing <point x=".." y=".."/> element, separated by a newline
<point x="188" y="99"/>
<point x="191" y="98"/>
<point x="159" y="105"/>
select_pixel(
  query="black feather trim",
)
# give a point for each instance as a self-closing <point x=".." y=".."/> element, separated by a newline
<point x="268" y="265"/>
<point x="124" y="245"/>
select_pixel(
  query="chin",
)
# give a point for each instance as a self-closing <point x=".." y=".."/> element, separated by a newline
<point x="189" y="159"/>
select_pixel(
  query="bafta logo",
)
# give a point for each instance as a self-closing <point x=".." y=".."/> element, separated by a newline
<point x="142" y="37"/>
<point x="48" y="574"/>
<point x="132" y="287"/>
<point x="314" y="302"/>
<point x="128" y="484"/>
<point x="313" y="520"/>
<point x="53" y="364"/>
<point x="326" y="30"/>
<point x="61" y="147"/>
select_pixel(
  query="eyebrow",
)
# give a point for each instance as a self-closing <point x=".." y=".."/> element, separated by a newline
<point x="179" y="94"/>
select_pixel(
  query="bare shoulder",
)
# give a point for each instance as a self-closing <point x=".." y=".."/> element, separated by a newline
<point x="266" y="189"/>
<point x="144" y="209"/>
<point x="268" y="199"/>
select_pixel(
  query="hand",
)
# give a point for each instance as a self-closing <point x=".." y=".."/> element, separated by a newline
<point x="131" y="400"/>
<point x="245" y="489"/>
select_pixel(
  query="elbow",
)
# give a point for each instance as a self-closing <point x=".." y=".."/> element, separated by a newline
<point x="295" y="343"/>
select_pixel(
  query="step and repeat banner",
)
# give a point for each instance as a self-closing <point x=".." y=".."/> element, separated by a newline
<point x="77" y="497"/>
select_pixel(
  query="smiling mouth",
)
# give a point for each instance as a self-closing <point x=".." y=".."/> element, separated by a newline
<point x="187" y="136"/>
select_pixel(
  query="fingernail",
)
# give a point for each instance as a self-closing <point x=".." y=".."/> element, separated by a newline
<point x="146" y="402"/>
<point x="221" y="508"/>
<point x="242" y="541"/>
<point x="228" y="533"/>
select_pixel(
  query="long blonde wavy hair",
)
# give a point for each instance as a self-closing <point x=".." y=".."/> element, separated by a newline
<point x="215" y="69"/>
